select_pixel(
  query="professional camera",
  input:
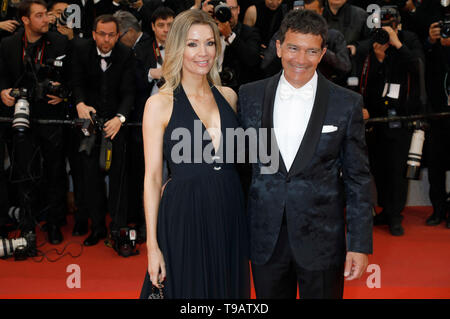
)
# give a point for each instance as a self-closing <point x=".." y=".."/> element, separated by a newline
<point x="123" y="241"/>
<point x="62" y="20"/>
<point x="221" y="11"/>
<point x="445" y="28"/>
<point x="389" y="17"/>
<point x="20" y="248"/>
<point x="92" y="129"/>
<point x="415" y="150"/>
<point x="21" y="119"/>
<point x="228" y="77"/>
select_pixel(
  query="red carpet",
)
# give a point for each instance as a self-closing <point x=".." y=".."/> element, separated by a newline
<point x="416" y="265"/>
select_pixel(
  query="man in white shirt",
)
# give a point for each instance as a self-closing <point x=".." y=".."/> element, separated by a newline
<point x="311" y="220"/>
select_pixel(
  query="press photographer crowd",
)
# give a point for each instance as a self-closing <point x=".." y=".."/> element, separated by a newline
<point x="75" y="77"/>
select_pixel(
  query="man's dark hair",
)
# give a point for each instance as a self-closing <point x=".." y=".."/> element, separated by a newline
<point x="105" y="18"/>
<point x="321" y="2"/>
<point x="162" y="13"/>
<point x="305" y="22"/>
<point x="24" y="8"/>
<point x="51" y="4"/>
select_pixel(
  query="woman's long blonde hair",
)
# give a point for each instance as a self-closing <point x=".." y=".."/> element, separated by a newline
<point x="176" y="43"/>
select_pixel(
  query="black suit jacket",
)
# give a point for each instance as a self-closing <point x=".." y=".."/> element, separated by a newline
<point x="12" y="66"/>
<point x="145" y="59"/>
<point x="119" y="79"/>
<point x="330" y="174"/>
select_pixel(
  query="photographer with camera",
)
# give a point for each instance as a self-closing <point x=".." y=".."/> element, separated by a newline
<point x="390" y="83"/>
<point x="437" y="50"/>
<point x="241" y="44"/>
<point x="30" y="61"/>
<point x="103" y="85"/>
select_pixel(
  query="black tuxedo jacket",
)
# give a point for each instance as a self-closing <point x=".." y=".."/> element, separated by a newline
<point x="330" y="174"/>
<point x="12" y="66"/>
<point x="109" y="92"/>
<point x="145" y="60"/>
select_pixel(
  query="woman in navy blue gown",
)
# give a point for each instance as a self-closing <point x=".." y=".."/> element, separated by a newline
<point x="196" y="231"/>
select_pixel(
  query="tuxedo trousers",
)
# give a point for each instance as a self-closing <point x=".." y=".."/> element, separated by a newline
<point x="279" y="277"/>
<point x="95" y="200"/>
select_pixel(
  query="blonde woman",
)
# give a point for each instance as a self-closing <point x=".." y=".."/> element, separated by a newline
<point x="196" y="231"/>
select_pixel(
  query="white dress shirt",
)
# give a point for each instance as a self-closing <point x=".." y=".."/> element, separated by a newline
<point x="103" y="63"/>
<point x="291" y="114"/>
<point x="155" y="88"/>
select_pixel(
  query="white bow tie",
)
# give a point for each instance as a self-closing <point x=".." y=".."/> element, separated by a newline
<point x="306" y="92"/>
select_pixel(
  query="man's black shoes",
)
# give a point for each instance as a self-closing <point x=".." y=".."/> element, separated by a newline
<point x="55" y="236"/>
<point x="95" y="237"/>
<point x="80" y="228"/>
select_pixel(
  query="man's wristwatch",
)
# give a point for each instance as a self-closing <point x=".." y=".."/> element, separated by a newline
<point x="121" y="118"/>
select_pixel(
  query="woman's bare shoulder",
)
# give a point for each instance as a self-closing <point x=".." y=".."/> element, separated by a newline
<point x="159" y="107"/>
<point x="229" y="95"/>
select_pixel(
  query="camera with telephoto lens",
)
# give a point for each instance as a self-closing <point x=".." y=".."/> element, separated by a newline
<point x="21" y="118"/>
<point x="389" y="15"/>
<point x="123" y="241"/>
<point x="415" y="150"/>
<point x="62" y="20"/>
<point x="221" y="11"/>
<point x="21" y="248"/>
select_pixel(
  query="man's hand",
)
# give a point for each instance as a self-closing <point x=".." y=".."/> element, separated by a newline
<point x="445" y="42"/>
<point x="355" y="265"/>
<point x="380" y="51"/>
<point x="156" y="73"/>
<point x="352" y="49"/>
<point x="9" y="25"/>
<point x="434" y="32"/>
<point x="83" y="111"/>
<point x="393" y="38"/>
<point x="68" y="32"/>
<point x="6" y="98"/>
<point x="208" y="8"/>
<point x="224" y="28"/>
<point x="54" y="99"/>
<point x="112" y="127"/>
<point x="137" y="5"/>
<point x="366" y="114"/>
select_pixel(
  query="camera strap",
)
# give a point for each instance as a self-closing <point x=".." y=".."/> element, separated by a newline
<point x="157" y="53"/>
<point x="39" y="51"/>
<point x="364" y="76"/>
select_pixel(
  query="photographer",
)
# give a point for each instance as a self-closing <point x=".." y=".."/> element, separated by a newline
<point x="390" y="84"/>
<point x="103" y="84"/>
<point x="438" y="87"/>
<point x="241" y="44"/>
<point x="25" y="63"/>
<point x="145" y="49"/>
<point x="351" y="21"/>
<point x="55" y="11"/>
<point x="266" y="17"/>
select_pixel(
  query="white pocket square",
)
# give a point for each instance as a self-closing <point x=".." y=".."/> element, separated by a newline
<point x="329" y="128"/>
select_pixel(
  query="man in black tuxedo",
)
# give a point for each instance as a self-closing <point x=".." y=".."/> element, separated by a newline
<point x="299" y="212"/>
<point x="146" y="50"/>
<point x="21" y="55"/>
<point x="104" y="83"/>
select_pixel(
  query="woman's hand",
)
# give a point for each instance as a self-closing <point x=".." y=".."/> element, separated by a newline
<point x="156" y="267"/>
